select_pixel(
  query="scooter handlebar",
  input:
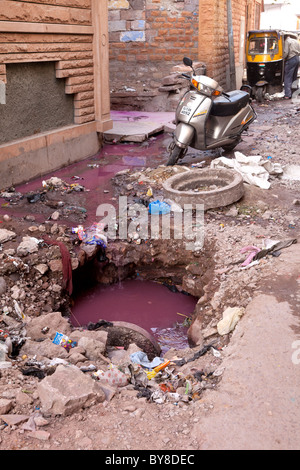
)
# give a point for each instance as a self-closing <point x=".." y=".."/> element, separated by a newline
<point x="185" y="75"/>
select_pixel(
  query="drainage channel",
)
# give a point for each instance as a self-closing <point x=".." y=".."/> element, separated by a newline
<point x="159" y="310"/>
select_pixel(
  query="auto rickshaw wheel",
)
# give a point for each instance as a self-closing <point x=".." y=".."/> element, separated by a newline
<point x="259" y="95"/>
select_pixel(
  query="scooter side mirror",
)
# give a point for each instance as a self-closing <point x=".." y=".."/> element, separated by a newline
<point x="188" y="62"/>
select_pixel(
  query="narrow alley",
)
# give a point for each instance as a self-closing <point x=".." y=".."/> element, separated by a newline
<point x="232" y="390"/>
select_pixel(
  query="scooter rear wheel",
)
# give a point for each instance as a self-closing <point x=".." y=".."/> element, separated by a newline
<point x="175" y="153"/>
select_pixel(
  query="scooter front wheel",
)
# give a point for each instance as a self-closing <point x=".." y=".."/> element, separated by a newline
<point x="175" y="153"/>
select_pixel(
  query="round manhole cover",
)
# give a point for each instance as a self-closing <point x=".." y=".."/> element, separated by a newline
<point x="210" y="186"/>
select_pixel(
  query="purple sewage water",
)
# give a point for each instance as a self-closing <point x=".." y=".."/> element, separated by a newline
<point x="148" y="304"/>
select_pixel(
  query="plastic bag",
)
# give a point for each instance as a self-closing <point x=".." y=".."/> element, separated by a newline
<point x="113" y="377"/>
<point x="159" y="207"/>
<point x="93" y="235"/>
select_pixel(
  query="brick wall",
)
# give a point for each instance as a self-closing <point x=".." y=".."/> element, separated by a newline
<point x="148" y="37"/>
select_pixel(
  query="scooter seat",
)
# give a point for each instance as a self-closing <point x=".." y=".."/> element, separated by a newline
<point x="223" y="106"/>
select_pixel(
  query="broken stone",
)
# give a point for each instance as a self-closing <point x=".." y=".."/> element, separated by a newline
<point x="195" y="335"/>
<point x="55" y="265"/>
<point x="55" y="215"/>
<point x="6" y="235"/>
<point x="172" y="79"/>
<point x="17" y="293"/>
<point x="68" y="390"/>
<point x="44" y="350"/>
<point x="5" y="406"/>
<point x="41" y="435"/>
<point x="2" y="285"/>
<point x="93" y="349"/>
<point x="40" y="421"/>
<point x="54" y="322"/>
<point x="108" y="390"/>
<point x="27" y="246"/>
<point x="23" y="398"/>
<point x="29" y="425"/>
<point x="77" y="357"/>
<point x="14" y="420"/>
<point x="41" y="268"/>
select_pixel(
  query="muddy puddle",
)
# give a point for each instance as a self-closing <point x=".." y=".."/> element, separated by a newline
<point x="150" y="305"/>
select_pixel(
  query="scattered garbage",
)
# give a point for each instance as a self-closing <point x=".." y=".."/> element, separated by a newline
<point x="32" y="198"/>
<point x="57" y="184"/>
<point x="255" y="170"/>
<point x="11" y="195"/>
<point x="230" y="319"/>
<point x="113" y="377"/>
<point x="141" y="358"/>
<point x="93" y="235"/>
<point x="64" y="341"/>
<point x="272" y="247"/>
<point x="99" y="324"/>
<point x="253" y="251"/>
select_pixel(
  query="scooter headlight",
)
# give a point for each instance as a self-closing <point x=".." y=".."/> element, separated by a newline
<point x="206" y="90"/>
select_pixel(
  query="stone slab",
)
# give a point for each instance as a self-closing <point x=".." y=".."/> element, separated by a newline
<point x="137" y="126"/>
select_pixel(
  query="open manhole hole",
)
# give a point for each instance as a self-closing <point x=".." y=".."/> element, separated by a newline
<point x="145" y="308"/>
<point x="211" y="187"/>
<point x="152" y="286"/>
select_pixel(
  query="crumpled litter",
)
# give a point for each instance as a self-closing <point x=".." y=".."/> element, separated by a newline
<point x="253" y="251"/>
<point x="255" y="170"/>
<point x="230" y="319"/>
<point x="64" y="341"/>
<point x="93" y="235"/>
<point x="113" y="376"/>
<point x="141" y="358"/>
<point x="54" y="184"/>
<point x="272" y="247"/>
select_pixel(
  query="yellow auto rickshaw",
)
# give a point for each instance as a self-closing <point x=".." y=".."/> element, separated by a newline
<point x="265" y="64"/>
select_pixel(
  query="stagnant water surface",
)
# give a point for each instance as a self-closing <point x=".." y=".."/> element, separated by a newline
<point x="148" y="304"/>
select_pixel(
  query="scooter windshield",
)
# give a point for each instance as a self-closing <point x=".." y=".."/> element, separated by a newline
<point x="263" y="45"/>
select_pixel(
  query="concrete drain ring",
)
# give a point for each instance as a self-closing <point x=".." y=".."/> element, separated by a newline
<point x="193" y="187"/>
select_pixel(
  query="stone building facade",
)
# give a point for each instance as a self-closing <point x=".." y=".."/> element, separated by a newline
<point x="149" y="37"/>
<point x="54" y="67"/>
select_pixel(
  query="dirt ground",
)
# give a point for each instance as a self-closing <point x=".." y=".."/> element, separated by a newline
<point x="255" y="404"/>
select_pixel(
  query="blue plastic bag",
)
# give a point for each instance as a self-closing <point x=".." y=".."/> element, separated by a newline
<point x="159" y="207"/>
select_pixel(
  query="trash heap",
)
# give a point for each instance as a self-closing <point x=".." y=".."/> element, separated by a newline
<point x="162" y="380"/>
<point x="74" y="368"/>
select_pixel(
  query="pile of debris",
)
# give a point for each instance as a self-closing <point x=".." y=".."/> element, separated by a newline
<point x="74" y="368"/>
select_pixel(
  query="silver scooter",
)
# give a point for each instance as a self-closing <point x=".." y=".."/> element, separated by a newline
<point x="208" y="118"/>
